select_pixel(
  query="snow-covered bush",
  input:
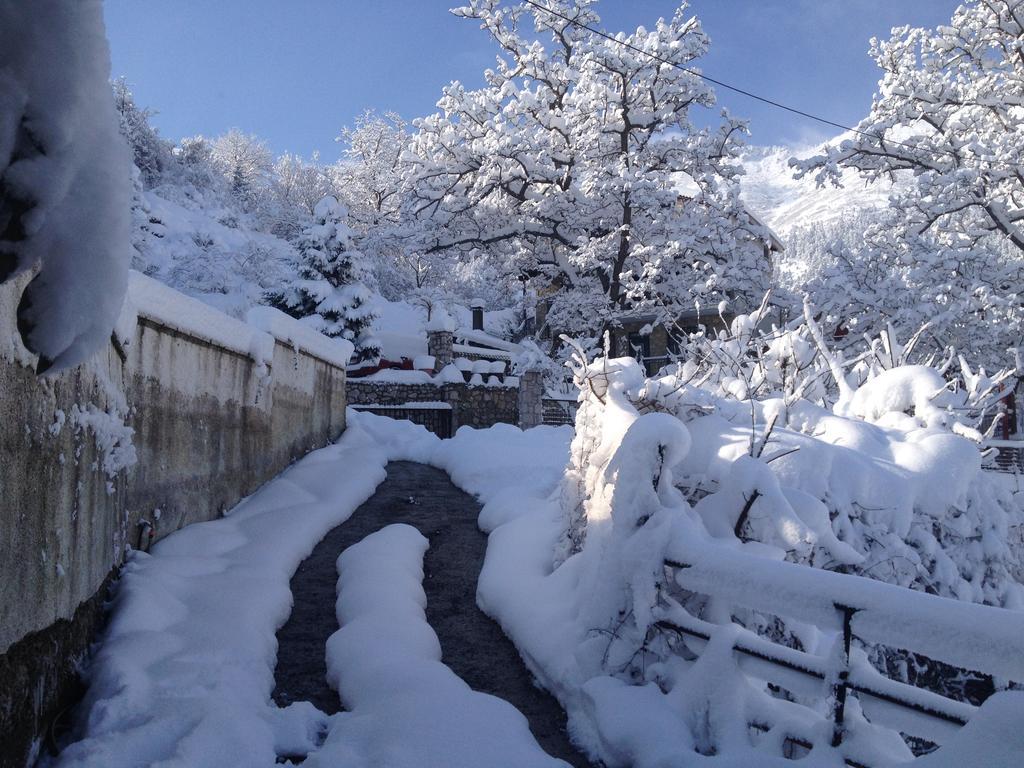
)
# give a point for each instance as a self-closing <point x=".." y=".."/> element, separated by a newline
<point x="769" y="443"/>
<point x="328" y="292"/>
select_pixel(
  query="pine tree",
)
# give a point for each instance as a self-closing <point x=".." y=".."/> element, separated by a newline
<point x="328" y="293"/>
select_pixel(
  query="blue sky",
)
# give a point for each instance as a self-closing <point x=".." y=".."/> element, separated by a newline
<point x="295" y="71"/>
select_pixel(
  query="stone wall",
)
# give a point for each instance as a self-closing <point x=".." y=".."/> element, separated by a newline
<point x="471" y="405"/>
<point x="208" y="424"/>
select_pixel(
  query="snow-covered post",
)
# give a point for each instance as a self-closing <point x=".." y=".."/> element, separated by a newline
<point x="531" y="399"/>
<point x="841" y="684"/>
<point x="441" y="338"/>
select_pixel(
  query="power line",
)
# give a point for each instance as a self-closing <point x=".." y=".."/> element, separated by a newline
<point x="751" y="95"/>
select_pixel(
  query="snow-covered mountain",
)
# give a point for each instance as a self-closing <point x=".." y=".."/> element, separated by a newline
<point x="785" y="203"/>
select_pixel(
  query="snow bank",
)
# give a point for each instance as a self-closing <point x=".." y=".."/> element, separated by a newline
<point x="406" y="708"/>
<point x="65" y="177"/>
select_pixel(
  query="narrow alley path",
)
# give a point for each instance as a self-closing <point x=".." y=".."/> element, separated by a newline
<point x="473" y="645"/>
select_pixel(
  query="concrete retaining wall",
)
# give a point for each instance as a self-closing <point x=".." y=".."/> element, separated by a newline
<point x="207" y="423"/>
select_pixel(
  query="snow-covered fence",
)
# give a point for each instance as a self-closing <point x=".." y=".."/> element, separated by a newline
<point x="185" y="412"/>
<point x="1009" y="456"/>
<point x="965" y="635"/>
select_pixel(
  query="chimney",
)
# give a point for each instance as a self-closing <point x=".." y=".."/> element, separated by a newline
<point x="477" y="305"/>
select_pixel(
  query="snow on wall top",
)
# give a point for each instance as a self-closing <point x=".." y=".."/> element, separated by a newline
<point x="296" y="334"/>
<point x="155" y="301"/>
<point x="254" y="338"/>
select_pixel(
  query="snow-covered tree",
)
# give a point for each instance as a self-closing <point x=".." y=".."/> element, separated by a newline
<point x="372" y="180"/>
<point x="567" y="163"/>
<point x="949" y="113"/>
<point x="152" y="155"/>
<point x="371" y="173"/>
<point x="246" y="163"/>
<point x="296" y="186"/>
<point x="328" y="292"/>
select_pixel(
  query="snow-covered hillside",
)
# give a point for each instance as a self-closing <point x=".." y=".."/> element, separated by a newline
<point x="205" y="248"/>
<point x="785" y="203"/>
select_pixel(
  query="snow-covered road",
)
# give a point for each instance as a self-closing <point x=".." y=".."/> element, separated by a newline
<point x="184" y="674"/>
<point x="473" y="645"/>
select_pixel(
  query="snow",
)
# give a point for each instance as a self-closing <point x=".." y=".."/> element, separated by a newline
<point x="964" y="634"/>
<point x="164" y="305"/>
<point x="908" y="387"/>
<point x="399" y="376"/>
<point x="784" y="203"/>
<point x="112" y="436"/>
<point x="424" y="362"/>
<point x="441" y="321"/>
<point x="299" y="336"/>
<point x="487" y="340"/>
<point x="198" y="244"/>
<point x="450" y="374"/>
<point x="406" y="708"/>
<point x="66" y="178"/>
<point x="426" y="405"/>
<point x="996" y="734"/>
<point x="187" y="649"/>
<point x="191" y="641"/>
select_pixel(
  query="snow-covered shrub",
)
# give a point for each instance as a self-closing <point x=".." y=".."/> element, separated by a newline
<point x="760" y="441"/>
<point x="329" y="293"/>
